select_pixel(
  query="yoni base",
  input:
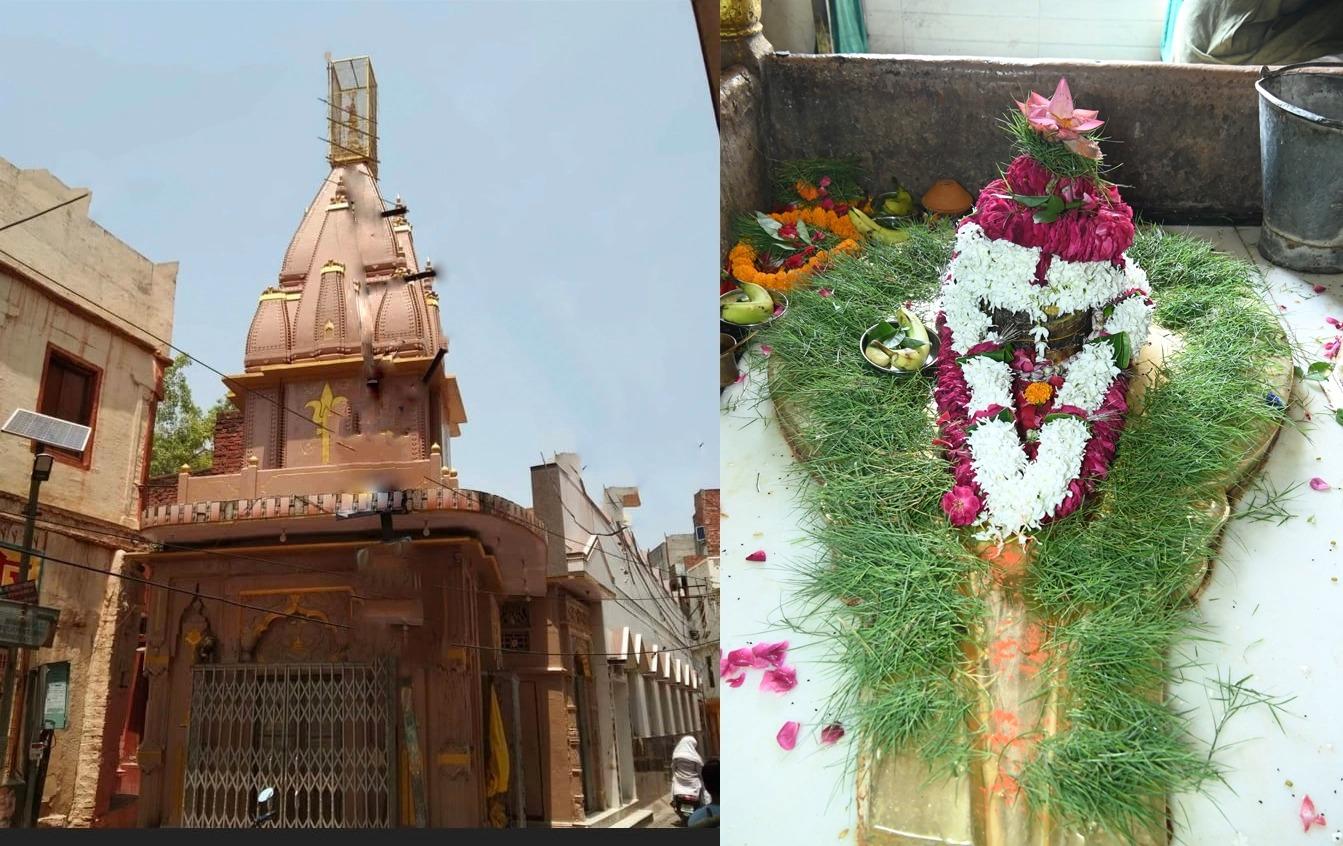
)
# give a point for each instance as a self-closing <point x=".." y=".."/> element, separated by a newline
<point x="900" y="805"/>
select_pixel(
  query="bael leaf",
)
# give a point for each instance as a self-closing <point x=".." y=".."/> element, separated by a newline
<point x="802" y="232"/>
<point x="1031" y="202"/>
<point x="769" y="224"/>
<point x="884" y="332"/>
<point x="910" y="344"/>
<point x="1319" y="371"/>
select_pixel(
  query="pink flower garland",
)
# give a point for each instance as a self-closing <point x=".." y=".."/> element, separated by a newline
<point x="1099" y="231"/>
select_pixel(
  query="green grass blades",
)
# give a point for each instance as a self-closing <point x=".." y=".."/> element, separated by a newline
<point x="889" y="586"/>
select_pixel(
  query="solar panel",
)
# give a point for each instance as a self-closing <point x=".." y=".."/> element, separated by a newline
<point x="48" y="430"/>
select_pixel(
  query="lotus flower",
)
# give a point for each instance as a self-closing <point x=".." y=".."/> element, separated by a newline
<point x="1056" y="119"/>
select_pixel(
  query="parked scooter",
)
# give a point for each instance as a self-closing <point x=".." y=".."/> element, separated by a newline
<point x="687" y="788"/>
<point x="265" y="806"/>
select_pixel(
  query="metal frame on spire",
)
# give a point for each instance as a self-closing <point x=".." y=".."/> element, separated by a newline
<point x="352" y="112"/>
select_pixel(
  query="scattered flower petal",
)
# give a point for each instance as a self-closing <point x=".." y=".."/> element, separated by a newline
<point x="787" y="735"/>
<point x="1334" y="322"/>
<point x="1319" y="289"/>
<point x="758" y="556"/>
<point x="826" y="292"/>
<point x="739" y="658"/>
<point x="779" y="680"/>
<point x="769" y="654"/>
<point x="766" y="350"/>
<point x="741" y="377"/>
<point x="1331" y="347"/>
<point x="831" y="734"/>
<point x="735" y="681"/>
<point x="1318" y="484"/>
<point x="1308" y="815"/>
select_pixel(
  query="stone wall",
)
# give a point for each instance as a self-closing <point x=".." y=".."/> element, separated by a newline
<point x="707" y="508"/>
<point x="743" y="185"/>
<point x="1186" y="137"/>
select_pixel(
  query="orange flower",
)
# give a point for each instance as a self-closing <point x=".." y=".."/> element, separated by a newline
<point x="1038" y="393"/>
<point x="806" y="190"/>
<point x="742" y="258"/>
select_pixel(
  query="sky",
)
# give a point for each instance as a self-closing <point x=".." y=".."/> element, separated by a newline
<point x="559" y="161"/>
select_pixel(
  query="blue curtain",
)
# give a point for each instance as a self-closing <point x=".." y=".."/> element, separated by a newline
<point x="850" y="30"/>
<point x="1167" y="45"/>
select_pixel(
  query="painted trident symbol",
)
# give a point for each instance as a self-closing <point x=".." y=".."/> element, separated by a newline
<point x="321" y="411"/>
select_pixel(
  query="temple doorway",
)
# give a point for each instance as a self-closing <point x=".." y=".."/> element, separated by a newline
<point x="322" y="735"/>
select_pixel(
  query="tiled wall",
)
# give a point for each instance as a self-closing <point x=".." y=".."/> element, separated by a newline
<point x="1053" y="29"/>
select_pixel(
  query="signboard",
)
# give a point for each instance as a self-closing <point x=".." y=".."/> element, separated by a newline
<point x="30" y="626"/>
<point x="9" y="567"/>
<point x="25" y="592"/>
<point x="58" y="695"/>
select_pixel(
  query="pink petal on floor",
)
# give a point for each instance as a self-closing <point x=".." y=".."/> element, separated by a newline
<point x="1318" y="484"/>
<point x="741" y="377"/>
<point x="779" y="680"/>
<point x="766" y="350"/>
<point x="826" y="292"/>
<point x="769" y="654"/>
<point x="787" y="735"/>
<point x="831" y="734"/>
<point x="1319" y="289"/>
<point x="1334" y="322"/>
<point x="1308" y="815"/>
<point x="742" y="657"/>
<point x="758" y="556"/>
<point x="735" y="681"/>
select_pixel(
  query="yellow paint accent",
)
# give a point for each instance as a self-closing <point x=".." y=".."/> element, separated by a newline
<point x="454" y="759"/>
<point x="321" y="412"/>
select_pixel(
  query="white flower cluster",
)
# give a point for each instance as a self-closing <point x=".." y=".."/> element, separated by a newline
<point x="1019" y="493"/>
<point x="1077" y="285"/>
<point x="1090" y="373"/>
<point x="990" y="273"/>
<point x="1130" y="315"/>
<point x="990" y="382"/>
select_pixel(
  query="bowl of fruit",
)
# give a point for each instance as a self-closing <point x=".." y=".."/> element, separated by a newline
<point x="900" y="345"/>
<point x="749" y="308"/>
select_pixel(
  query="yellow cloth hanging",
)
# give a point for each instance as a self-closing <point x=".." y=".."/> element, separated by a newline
<point x="498" y="768"/>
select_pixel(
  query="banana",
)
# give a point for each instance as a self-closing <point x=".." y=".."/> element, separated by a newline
<point x="873" y="231"/>
<point x="911" y="358"/>
<point x="876" y="354"/>
<point x="757" y="308"/>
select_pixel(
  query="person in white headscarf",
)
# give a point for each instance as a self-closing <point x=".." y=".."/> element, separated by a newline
<point x="686" y="770"/>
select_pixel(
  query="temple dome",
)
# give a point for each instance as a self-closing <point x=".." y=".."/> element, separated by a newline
<point x="345" y="245"/>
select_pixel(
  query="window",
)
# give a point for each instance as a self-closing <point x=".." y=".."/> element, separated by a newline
<point x="70" y="392"/>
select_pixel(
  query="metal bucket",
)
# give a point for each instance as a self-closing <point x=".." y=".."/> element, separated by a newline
<point x="1301" y="153"/>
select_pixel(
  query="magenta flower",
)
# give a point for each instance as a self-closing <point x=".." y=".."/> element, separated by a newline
<point x="1056" y="118"/>
<point x="1318" y="484"/>
<point x="1023" y="361"/>
<point x="766" y="350"/>
<point x="769" y="654"/>
<point x="787" y="735"/>
<point x="1331" y="348"/>
<point x="779" y="680"/>
<point x="961" y="505"/>
<point x="758" y="556"/>
<point x="831" y="734"/>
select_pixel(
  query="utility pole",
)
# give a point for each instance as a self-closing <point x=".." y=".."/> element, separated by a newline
<point x="41" y="472"/>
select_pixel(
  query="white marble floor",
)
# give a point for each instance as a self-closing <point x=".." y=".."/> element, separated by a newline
<point x="1273" y="610"/>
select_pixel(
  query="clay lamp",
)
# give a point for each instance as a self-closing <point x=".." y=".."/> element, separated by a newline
<point x="947" y="198"/>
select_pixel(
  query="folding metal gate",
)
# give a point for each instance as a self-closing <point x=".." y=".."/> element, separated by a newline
<point x="323" y="735"/>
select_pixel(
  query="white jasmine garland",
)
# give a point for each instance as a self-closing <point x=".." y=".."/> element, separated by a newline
<point x="990" y="382"/>
<point x="1019" y="494"/>
<point x="1090" y="373"/>
<point x="1131" y="315"/>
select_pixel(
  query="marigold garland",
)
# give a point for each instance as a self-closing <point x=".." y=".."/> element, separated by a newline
<point x="742" y="258"/>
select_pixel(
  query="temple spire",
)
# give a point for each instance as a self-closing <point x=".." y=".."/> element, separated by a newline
<point x="352" y="112"/>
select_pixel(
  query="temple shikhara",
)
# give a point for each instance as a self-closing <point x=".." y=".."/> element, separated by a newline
<point x="336" y="617"/>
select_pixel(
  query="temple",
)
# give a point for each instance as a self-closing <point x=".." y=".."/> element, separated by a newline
<point x="341" y="620"/>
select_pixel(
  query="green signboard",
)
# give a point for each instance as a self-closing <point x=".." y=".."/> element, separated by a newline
<point x="58" y="695"/>
<point x="27" y="625"/>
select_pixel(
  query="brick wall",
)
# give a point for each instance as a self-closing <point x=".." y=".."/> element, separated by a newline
<point x="228" y="443"/>
<point x="706" y="515"/>
<point x="159" y="490"/>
